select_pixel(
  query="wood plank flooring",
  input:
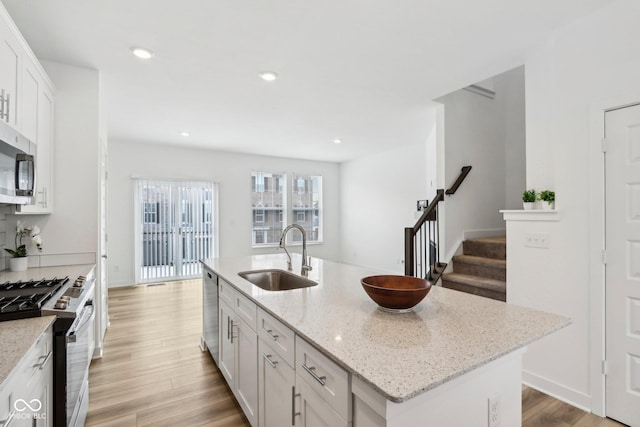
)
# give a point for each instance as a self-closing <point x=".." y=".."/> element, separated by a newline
<point x="154" y="373"/>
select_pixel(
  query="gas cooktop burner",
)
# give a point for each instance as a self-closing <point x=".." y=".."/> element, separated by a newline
<point x="25" y="299"/>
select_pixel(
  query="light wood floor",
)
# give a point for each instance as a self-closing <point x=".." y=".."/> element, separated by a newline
<point x="153" y="372"/>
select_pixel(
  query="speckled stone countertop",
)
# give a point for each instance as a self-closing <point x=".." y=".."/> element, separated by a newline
<point x="16" y="338"/>
<point x="400" y="355"/>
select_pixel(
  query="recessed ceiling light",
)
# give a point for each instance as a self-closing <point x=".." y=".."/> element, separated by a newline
<point x="185" y="133"/>
<point x="337" y="141"/>
<point x="142" y="53"/>
<point x="268" y="76"/>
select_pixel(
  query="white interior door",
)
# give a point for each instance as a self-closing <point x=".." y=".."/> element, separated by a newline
<point x="622" y="130"/>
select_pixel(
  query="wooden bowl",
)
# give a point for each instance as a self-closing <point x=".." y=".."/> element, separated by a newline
<point x="396" y="293"/>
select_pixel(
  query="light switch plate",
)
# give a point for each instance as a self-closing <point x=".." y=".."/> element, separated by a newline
<point x="536" y="240"/>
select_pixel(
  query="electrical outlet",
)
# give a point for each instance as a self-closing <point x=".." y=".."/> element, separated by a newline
<point x="494" y="411"/>
<point x="536" y="240"/>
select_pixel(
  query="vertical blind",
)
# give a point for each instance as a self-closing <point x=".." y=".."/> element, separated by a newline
<point x="176" y="228"/>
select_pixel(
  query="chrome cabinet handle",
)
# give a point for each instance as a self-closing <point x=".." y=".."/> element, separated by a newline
<point x="44" y="362"/>
<point x="228" y="327"/>
<point x="274" y="336"/>
<point x="312" y="371"/>
<point x="9" y="419"/>
<point x="267" y="357"/>
<point x="293" y="405"/>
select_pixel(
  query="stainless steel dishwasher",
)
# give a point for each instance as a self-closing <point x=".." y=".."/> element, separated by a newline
<point x="210" y="312"/>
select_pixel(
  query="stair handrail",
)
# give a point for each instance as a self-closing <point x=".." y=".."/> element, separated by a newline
<point x="430" y="214"/>
<point x="463" y="174"/>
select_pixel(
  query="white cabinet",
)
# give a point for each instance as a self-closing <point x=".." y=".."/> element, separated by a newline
<point x="26" y="395"/>
<point x="27" y="105"/>
<point x="238" y="350"/>
<point x="10" y="57"/>
<point x="28" y="119"/>
<point x="42" y="200"/>
<point x="312" y="410"/>
<point x="276" y="388"/>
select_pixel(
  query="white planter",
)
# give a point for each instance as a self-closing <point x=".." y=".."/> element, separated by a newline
<point x="18" y="264"/>
<point x="547" y="206"/>
<point x="528" y="205"/>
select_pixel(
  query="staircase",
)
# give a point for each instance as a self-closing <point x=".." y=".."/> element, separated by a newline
<point x="482" y="270"/>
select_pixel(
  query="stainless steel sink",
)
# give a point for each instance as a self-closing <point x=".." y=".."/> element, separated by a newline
<point x="276" y="280"/>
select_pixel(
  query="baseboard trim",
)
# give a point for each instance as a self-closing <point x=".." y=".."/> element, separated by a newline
<point x="120" y="284"/>
<point x="558" y="391"/>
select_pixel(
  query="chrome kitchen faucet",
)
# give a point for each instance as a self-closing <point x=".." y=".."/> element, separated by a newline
<point x="306" y="262"/>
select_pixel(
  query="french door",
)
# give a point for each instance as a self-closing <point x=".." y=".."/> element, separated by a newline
<point x="175" y="228"/>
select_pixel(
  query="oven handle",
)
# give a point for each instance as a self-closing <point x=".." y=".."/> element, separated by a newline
<point x="85" y="318"/>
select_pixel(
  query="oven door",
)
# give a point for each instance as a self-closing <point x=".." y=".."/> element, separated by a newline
<point x="79" y="340"/>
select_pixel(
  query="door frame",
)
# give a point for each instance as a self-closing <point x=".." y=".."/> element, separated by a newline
<point x="597" y="244"/>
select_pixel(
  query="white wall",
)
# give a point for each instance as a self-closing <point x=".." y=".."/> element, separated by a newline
<point x="69" y="234"/>
<point x="378" y="200"/>
<point x="586" y="63"/>
<point x="487" y="134"/>
<point x="231" y="171"/>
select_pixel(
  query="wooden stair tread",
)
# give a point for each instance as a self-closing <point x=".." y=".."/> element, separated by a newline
<point x="478" y="260"/>
<point x="479" y="282"/>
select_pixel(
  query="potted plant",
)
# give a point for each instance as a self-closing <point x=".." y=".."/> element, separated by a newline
<point x="528" y="199"/>
<point x="548" y="199"/>
<point x="19" y="257"/>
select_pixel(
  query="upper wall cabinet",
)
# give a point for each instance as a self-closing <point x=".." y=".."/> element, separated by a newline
<point x="10" y="56"/>
<point x="28" y="105"/>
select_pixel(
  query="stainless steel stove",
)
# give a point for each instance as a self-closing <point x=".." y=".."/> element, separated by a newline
<point x="72" y="303"/>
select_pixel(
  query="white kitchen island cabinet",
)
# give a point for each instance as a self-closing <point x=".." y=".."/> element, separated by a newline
<point x="442" y="364"/>
<point x="238" y="349"/>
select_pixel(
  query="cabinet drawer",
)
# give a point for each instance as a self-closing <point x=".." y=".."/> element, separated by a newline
<point x="324" y="376"/>
<point x="226" y="292"/>
<point x="246" y="310"/>
<point x="280" y="338"/>
<point x="37" y="359"/>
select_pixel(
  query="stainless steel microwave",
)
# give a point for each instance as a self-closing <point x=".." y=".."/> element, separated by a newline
<point x="17" y="166"/>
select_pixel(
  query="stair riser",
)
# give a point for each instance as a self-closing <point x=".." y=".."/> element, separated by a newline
<point x="493" y="250"/>
<point x="500" y="296"/>
<point x="490" y="272"/>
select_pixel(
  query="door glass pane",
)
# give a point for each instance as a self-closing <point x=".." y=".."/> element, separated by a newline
<point x="171" y="249"/>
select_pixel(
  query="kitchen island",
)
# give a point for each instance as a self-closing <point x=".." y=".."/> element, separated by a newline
<point x="446" y="360"/>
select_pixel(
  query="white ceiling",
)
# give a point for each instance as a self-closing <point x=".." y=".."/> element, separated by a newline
<point x="362" y="71"/>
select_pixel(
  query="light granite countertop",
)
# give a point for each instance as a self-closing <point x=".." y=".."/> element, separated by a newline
<point x="16" y="338"/>
<point x="448" y="334"/>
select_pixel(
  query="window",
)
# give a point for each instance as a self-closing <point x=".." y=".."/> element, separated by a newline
<point x="151" y="213"/>
<point x="307" y="202"/>
<point x="268" y="201"/>
<point x="274" y="207"/>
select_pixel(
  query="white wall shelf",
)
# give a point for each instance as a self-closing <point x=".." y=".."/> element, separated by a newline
<point x="531" y="215"/>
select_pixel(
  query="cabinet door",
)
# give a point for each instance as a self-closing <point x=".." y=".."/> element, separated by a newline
<point x="10" y="54"/>
<point x="226" y="350"/>
<point x="246" y="391"/>
<point x="42" y="201"/>
<point x="313" y="410"/>
<point x="29" y="100"/>
<point x="276" y="380"/>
